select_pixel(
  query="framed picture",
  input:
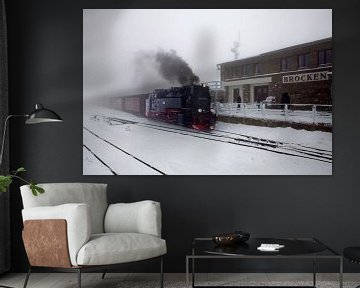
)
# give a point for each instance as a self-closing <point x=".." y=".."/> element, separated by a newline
<point x="207" y="92"/>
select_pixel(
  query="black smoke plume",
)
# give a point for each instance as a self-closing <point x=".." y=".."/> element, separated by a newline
<point x="169" y="66"/>
<point x="173" y="68"/>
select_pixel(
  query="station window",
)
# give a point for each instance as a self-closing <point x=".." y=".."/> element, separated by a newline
<point x="304" y="61"/>
<point x="237" y="71"/>
<point x="233" y="72"/>
<point x="257" y="68"/>
<point x="246" y="69"/>
<point x="325" y="57"/>
<point x="285" y="64"/>
<point x="229" y="73"/>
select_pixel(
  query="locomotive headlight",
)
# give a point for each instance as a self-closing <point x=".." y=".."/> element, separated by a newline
<point x="200" y="110"/>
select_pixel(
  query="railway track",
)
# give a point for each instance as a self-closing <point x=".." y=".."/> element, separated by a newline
<point x="99" y="159"/>
<point x="279" y="147"/>
<point x="121" y="150"/>
<point x="303" y="149"/>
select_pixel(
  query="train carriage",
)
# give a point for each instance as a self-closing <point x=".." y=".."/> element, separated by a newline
<point x="135" y="103"/>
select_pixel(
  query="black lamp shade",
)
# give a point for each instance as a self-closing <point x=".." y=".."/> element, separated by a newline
<point x="42" y="115"/>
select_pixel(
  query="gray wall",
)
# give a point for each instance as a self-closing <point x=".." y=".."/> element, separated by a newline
<point x="45" y="50"/>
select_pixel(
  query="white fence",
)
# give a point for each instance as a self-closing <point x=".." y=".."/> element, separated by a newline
<point x="298" y="113"/>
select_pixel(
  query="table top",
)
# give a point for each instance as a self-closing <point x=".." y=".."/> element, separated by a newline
<point x="292" y="247"/>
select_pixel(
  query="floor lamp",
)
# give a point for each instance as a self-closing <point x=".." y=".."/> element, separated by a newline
<point x="39" y="115"/>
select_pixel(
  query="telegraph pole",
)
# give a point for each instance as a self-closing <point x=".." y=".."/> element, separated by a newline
<point x="236" y="47"/>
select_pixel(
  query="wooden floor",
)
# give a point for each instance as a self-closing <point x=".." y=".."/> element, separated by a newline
<point x="119" y="280"/>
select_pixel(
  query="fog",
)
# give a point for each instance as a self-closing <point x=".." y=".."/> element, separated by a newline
<point x="121" y="47"/>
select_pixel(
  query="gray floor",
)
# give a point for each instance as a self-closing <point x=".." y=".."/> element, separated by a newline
<point x="121" y="280"/>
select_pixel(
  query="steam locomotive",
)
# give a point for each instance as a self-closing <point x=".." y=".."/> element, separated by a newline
<point x="187" y="106"/>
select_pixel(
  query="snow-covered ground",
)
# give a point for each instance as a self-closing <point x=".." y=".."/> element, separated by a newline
<point x="119" y="143"/>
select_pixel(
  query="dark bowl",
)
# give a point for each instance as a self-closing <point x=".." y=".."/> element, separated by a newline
<point x="241" y="236"/>
<point x="226" y="239"/>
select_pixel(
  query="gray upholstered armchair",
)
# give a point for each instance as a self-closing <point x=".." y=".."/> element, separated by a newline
<point x="72" y="228"/>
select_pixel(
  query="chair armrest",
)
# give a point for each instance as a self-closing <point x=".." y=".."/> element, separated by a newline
<point x="52" y="250"/>
<point x="138" y="217"/>
<point x="78" y="223"/>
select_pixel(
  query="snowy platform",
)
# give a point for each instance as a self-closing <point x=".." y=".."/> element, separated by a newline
<point x="287" y="113"/>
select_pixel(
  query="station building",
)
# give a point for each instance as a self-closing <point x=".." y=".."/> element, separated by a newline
<point x="303" y="71"/>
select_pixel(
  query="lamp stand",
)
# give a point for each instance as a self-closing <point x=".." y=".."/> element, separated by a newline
<point x="4" y="135"/>
<point x="2" y="152"/>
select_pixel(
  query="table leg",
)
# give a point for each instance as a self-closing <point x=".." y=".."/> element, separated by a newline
<point x="193" y="272"/>
<point x="314" y="271"/>
<point x="187" y="272"/>
<point x="341" y="273"/>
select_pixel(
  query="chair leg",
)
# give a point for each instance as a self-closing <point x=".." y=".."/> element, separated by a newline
<point x="103" y="275"/>
<point x="161" y="273"/>
<point x="79" y="277"/>
<point x="27" y="277"/>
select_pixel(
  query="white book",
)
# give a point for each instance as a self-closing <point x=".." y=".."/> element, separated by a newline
<point x="270" y="247"/>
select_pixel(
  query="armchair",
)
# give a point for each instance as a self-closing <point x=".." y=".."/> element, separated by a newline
<point x="71" y="228"/>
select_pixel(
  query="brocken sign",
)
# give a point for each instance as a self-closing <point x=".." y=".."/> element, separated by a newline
<point x="306" y="77"/>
